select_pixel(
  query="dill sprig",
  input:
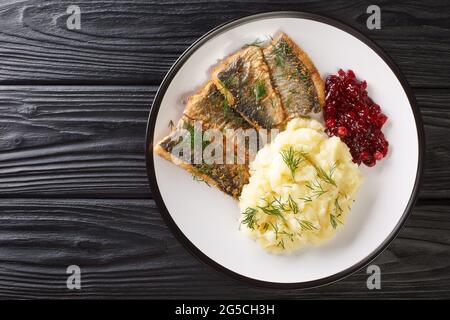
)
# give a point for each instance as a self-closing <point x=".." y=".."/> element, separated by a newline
<point x="226" y="108"/>
<point x="289" y="235"/>
<point x="316" y="188"/>
<point x="275" y="228"/>
<point x="293" y="206"/>
<point x="337" y="208"/>
<point x="171" y="125"/>
<point x="327" y="177"/>
<point x="198" y="179"/>
<point x="195" y="134"/>
<point x="257" y="43"/>
<point x="259" y="90"/>
<point x="277" y="207"/>
<point x="334" y="217"/>
<point x="334" y="221"/>
<point x="230" y="81"/>
<point x="272" y="210"/>
<point x="281" y="50"/>
<point x="279" y="61"/>
<point x="204" y="169"/>
<point x="277" y="235"/>
<point x="292" y="159"/>
<point x="306" y="225"/>
<point x="250" y="217"/>
<point x="303" y="77"/>
<point x="280" y="205"/>
<point x="307" y="199"/>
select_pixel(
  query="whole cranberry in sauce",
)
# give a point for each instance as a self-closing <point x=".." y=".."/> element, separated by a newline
<point x="352" y="115"/>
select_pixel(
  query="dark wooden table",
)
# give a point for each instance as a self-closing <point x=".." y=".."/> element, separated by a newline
<point x="73" y="111"/>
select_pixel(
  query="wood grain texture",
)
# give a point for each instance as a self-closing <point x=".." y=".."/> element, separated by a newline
<point x="74" y="141"/>
<point x="136" y="42"/>
<point x="124" y="250"/>
<point x="434" y="106"/>
<point x="78" y="141"/>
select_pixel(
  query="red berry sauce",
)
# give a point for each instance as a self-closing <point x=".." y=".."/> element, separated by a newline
<point x="353" y="116"/>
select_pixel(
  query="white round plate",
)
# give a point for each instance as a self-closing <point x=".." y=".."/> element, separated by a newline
<point x="206" y="221"/>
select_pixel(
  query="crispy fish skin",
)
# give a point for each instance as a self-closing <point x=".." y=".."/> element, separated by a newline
<point x="229" y="178"/>
<point x="211" y="108"/>
<point x="244" y="79"/>
<point x="206" y="107"/>
<point x="295" y="77"/>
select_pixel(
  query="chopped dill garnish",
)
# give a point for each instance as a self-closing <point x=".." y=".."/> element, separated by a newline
<point x="250" y="219"/>
<point x="337" y="208"/>
<point x="306" y="199"/>
<point x="230" y="81"/>
<point x="290" y="235"/>
<point x="281" y="244"/>
<point x="301" y="73"/>
<point x="277" y="207"/>
<point x="171" y="125"/>
<point x="305" y="224"/>
<point x="204" y="169"/>
<point x="292" y="159"/>
<point x="192" y="132"/>
<point x="293" y="206"/>
<point x="279" y="61"/>
<point x="281" y="49"/>
<point x="196" y="134"/>
<point x="257" y="43"/>
<point x="334" y="217"/>
<point x="272" y="210"/>
<point x="275" y="228"/>
<point x="316" y="188"/>
<point x="334" y="221"/>
<point x="327" y="177"/>
<point x="226" y="108"/>
<point x="198" y="179"/>
<point x="259" y="90"/>
<point x="280" y="205"/>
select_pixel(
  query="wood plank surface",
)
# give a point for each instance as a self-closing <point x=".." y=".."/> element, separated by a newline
<point x="125" y="250"/>
<point x="88" y="141"/>
<point x="135" y="42"/>
<point x="74" y="141"/>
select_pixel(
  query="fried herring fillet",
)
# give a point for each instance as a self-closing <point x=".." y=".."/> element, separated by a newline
<point x="295" y="77"/>
<point x="244" y="79"/>
<point x="211" y="109"/>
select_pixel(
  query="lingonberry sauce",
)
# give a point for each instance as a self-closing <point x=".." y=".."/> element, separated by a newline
<point x="353" y="116"/>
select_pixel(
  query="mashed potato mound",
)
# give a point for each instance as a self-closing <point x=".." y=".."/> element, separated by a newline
<point x="301" y="188"/>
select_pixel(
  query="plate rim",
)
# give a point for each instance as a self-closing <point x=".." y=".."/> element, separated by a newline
<point x="151" y="174"/>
